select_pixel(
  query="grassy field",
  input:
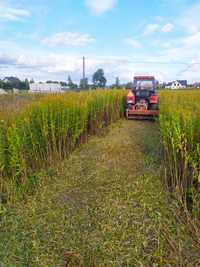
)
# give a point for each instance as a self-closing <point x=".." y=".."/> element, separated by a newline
<point x="104" y="204"/>
<point x="50" y="128"/>
<point x="180" y="130"/>
<point x="13" y="104"/>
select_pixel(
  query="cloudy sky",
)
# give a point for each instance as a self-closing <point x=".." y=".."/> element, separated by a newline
<point x="43" y="39"/>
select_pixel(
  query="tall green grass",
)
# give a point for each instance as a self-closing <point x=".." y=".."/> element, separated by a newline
<point x="180" y="130"/>
<point x="12" y="104"/>
<point x="50" y="128"/>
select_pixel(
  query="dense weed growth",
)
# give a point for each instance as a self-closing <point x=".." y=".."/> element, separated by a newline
<point x="13" y="104"/>
<point x="51" y="127"/>
<point x="180" y="129"/>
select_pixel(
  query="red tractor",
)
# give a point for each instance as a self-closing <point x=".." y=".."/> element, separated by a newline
<point x="142" y="101"/>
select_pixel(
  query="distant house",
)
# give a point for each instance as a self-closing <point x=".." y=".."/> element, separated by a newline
<point x="168" y="85"/>
<point x="45" y="88"/>
<point x="12" y="80"/>
<point x="196" y="85"/>
<point x="178" y="84"/>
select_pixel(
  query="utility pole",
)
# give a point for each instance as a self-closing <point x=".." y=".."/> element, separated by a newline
<point x="83" y="68"/>
<point x="84" y="80"/>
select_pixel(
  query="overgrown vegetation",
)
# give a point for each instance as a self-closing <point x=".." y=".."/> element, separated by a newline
<point x="11" y="105"/>
<point x="180" y="129"/>
<point x="50" y="128"/>
<point x="103" y="206"/>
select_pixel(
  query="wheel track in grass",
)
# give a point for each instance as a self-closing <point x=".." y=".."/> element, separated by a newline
<point x="104" y="206"/>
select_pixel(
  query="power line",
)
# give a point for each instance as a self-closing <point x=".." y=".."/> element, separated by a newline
<point x="158" y="62"/>
<point x="187" y="63"/>
<point x="139" y="61"/>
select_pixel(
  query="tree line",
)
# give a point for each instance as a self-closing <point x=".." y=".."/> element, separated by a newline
<point x="10" y="83"/>
<point x="98" y="81"/>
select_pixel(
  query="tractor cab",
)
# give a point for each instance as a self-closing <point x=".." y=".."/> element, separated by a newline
<point x="142" y="100"/>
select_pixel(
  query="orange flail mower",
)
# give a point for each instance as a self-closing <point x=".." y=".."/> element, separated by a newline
<point x="142" y="101"/>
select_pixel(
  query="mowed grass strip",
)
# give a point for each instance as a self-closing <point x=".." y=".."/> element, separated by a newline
<point x="104" y="206"/>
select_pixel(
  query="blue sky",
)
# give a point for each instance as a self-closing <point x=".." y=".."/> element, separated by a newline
<point x="46" y="39"/>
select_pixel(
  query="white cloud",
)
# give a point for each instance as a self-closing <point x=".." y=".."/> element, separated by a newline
<point x="184" y="51"/>
<point x="134" y="43"/>
<point x="192" y="40"/>
<point x="44" y="65"/>
<point x="150" y="29"/>
<point x="56" y="66"/>
<point x="98" y="7"/>
<point x="154" y="27"/>
<point x="68" y="39"/>
<point x="184" y="55"/>
<point x="12" y="13"/>
<point x="190" y="19"/>
<point x="168" y="27"/>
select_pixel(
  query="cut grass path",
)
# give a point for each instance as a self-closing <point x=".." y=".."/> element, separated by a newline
<point x="104" y="206"/>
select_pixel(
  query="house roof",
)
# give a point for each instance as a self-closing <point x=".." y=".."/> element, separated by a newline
<point x="168" y="84"/>
<point x="182" y="82"/>
<point x="11" y="79"/>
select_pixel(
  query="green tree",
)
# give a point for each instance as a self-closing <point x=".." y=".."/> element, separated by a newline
<point x="72" y="86"/>
<point x="6" y="86"/>
<point x="27" y="84"/>
<point x="14" y="82"/>
<point x="117" y="82"/>
<point x="98" y="78"/>
<point x="69" y="81"/>
<point x="63" y="83"/>
<point x="22" y="86"/>
<point x="129" y="85"/>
